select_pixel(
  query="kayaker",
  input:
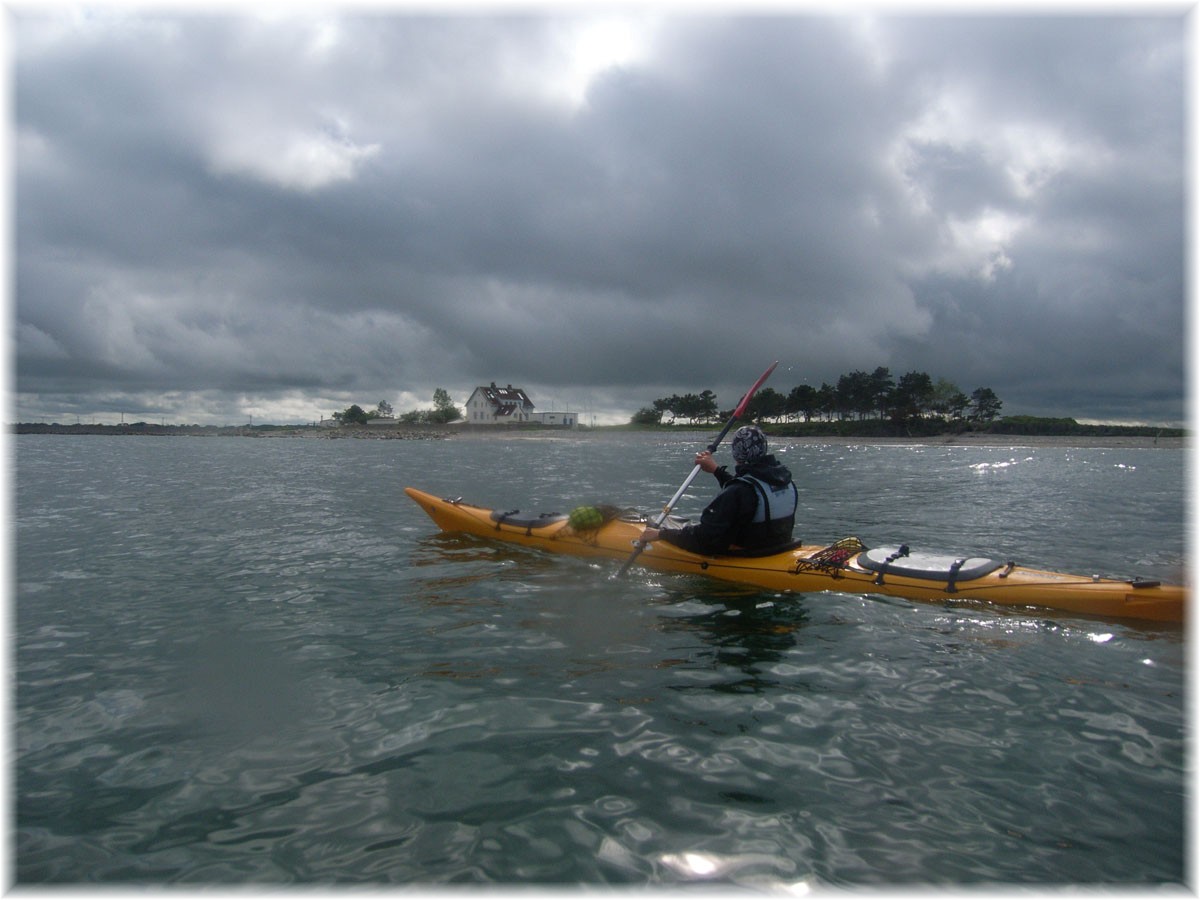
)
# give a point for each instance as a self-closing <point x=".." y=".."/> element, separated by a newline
<point x="755" y="510"/>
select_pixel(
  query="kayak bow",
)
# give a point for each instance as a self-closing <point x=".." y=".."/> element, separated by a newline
<point x="845" y="566"/>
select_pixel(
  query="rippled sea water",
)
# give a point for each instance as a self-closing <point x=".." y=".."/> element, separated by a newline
<point x="244" y="661"/>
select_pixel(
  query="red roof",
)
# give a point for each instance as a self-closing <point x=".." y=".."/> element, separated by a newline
<point x="510" y="397"/>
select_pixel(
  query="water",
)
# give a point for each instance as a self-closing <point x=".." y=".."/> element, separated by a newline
<point x="256" y="662"/>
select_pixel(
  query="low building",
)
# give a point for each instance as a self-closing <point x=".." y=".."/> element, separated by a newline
<point x="563" y="419"/>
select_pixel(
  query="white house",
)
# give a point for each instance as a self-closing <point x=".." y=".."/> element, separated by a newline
<point x="498" y="406"/>
<point x="493" y="405"/>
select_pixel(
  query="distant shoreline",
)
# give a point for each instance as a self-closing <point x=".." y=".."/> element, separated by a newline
<point x="419" y="432"/>
<point x="410" y="433"/>
<point x="972" y="439"/>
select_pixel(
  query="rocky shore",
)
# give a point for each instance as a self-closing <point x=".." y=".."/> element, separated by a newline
<point x="425" y="433"/>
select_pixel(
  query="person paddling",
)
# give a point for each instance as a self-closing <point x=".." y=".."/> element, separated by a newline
<point x="755" y="510"/>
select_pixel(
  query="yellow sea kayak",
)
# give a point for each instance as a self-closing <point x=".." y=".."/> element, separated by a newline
<point x="845" y="566"/>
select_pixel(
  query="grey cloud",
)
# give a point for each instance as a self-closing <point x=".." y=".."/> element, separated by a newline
<point x="257" y="208"/>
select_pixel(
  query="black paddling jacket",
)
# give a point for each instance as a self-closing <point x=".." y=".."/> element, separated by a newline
<point x="755" y="510"/>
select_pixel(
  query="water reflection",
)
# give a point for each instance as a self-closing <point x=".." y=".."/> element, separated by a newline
<point x="743" y="635"/>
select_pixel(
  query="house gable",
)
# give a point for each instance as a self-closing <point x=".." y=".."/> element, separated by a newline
<point x="493" y="404"/>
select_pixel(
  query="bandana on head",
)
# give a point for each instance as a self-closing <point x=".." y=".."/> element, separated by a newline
<point x="749" y="443"/>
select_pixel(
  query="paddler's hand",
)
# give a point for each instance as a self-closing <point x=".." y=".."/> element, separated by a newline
<point x="704" y="459"/>
<point x="649" y="536"/>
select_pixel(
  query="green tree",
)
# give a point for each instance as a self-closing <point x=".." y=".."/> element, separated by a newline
<point x="802" y="401"/>
<point x="352" y="415"/>
<point x="383" y="409"/>
<point x="856" y="394"/>
<point x="647" y="415"/>
<point x="663" y="406"/>
<point x="690" y="407"/>
<point x="911" y="397"/>
<point x="671" y="406"/>
<point x="768" y="403"/>
<point x="882" y="384"/>
<point x="914" y="396"/>
<point x="826" y="399"/>
<point x="985" y="405"/>
<point x="444" y="408"/>
<point x="948" y="400"/>
<point x="693" y="407"/>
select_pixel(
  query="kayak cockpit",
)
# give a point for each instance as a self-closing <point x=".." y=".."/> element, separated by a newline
<point x="928" y="566"/>
<point x="514" y="518"/>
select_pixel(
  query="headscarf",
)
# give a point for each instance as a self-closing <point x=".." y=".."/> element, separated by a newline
<point x="749" y="444"/>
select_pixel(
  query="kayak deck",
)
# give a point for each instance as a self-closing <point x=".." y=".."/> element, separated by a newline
<point x="845" y="566"/>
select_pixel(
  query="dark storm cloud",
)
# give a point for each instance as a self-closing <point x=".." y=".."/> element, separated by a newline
<point x="240" y="213"/>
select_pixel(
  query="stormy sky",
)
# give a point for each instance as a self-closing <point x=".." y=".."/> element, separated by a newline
<point x="219" y="216"/>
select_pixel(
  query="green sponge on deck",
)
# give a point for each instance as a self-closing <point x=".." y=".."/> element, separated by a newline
<point x="585" y="518"/>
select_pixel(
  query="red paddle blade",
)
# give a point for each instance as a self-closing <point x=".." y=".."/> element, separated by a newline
<point x="741" y="407"/>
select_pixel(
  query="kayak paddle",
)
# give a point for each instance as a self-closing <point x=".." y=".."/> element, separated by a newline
<point x="638" y="545"/>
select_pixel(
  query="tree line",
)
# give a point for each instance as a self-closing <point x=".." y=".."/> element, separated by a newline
<point x="444" y="410"/>
<point x="856" y="395"/>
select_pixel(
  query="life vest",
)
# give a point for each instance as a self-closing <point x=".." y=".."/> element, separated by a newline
<point x="774" y="516"/>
